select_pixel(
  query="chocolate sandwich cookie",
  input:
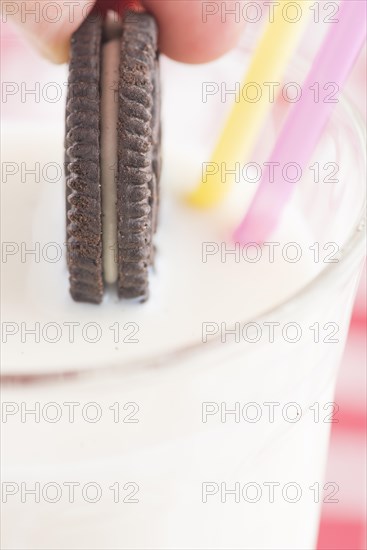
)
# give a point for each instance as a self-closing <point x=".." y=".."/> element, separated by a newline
<point x="112" y="154"/>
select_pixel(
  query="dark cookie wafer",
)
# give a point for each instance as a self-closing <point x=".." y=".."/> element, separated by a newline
<point x="138" y="158"/>
<point x="157" y="161"/>
<point x="82" y="145"/>
<point x="138" y="153"/>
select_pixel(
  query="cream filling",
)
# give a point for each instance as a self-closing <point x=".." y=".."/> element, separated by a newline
<point x="109" y="115"/>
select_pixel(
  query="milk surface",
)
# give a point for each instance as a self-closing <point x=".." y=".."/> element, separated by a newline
<point x="196" y="277"/>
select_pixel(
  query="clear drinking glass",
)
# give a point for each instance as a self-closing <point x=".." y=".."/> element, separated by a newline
<point x="200" y="437"/>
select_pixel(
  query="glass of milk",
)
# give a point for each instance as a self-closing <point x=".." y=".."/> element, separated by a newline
<point x="201" y="418"/>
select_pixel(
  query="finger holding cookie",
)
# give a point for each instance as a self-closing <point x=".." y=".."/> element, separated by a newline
<point x="187" y="33"/>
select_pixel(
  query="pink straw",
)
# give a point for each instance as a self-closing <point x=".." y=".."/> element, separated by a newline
<point x="306" y="121"/>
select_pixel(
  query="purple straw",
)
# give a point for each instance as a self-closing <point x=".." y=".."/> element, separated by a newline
<point x="306" y="121"/>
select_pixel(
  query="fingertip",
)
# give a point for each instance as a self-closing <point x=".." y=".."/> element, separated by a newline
<point x="187" y="35"/>
<point x="52" y="37"/>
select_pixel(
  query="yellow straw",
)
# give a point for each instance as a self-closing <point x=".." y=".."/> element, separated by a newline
<point x="246" y="118"/>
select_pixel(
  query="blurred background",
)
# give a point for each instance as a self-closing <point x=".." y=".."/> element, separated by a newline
<point x="343" y="525"/>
